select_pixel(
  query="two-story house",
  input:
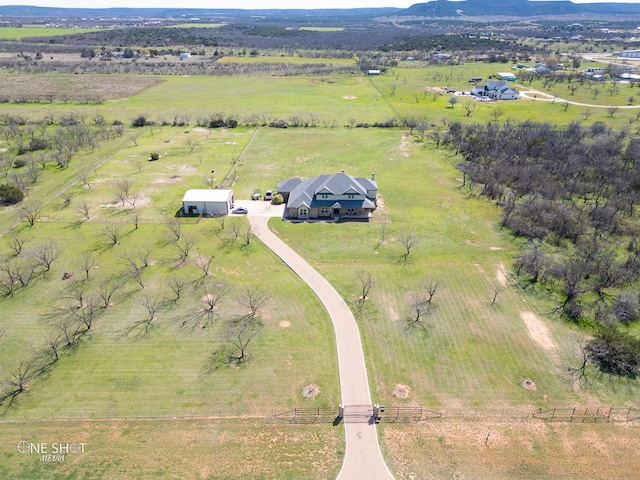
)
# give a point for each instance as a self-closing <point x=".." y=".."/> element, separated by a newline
<point x="329" y="197"/>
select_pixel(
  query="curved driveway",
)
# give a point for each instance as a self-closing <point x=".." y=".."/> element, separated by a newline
<point x="363" y="459"/>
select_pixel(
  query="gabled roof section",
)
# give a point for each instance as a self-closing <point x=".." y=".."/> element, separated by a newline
<point x="304" y="193"/>
<point x="288" y="185"/>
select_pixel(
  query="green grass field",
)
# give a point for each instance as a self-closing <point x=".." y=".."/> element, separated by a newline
<point x="18" y="33"/>
<point x="473" y="357"/>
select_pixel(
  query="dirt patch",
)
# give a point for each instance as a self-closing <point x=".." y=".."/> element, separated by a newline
<point x="495" y="248"/>
<point x="479" y="267"/>
<point x="182" y="168"/>
<point x="501" y="275"/>
<point x="538" y="331"/>
<point x="139" y="202"/>
<point x="284" y="324"/>
<point x="404" y="146"/>
<point x="75" y="87"/>
<point x="528" y="384"/>
<point x="400" y="390"/>
<point x="349" y="97"/>
<point x="310" y="391"/>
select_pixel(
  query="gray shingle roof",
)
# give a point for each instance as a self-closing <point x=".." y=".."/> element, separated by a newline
<point x="304" y="193"/>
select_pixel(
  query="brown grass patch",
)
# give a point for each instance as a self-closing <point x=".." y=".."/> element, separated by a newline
<point x="310" y="391"/>
<point x="400" y="390"/>
<point x="76" y="87"/>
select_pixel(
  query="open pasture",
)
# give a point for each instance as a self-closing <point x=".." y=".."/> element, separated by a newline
<point x="20" y="33"/>
<point x="472" y="356"/>
<point x="175" y="448"/>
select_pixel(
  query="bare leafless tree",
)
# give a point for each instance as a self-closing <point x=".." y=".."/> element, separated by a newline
<point x="192" y="143"/>
<point x="408" y="241"/>
<point x="88" y="261"/>
<point x="185" y="244"/>
<point x="210" y="181"/>
<point x="45" y="254"/>
<point x="420" y="308"/>
<point x="66" y="196"/>
<point x="77" y="291"/>
<point x="233" y="349"/>
<point x="247" y="234"/>
<point x="430" y="286"/>
<point x="107" y="290"/>
<point x="84" y="210"/>
<point x="206" y="314"/>
<point x="236" y="228"/>
<point x="17" y="379"/>
<point x="174" y="230"/>
<point x="367" y="282"/>
<point x="497" y="289"/>
<point x="112" y="233"/>
<point x="177" y="285"/>
<point x="16" y="242"/>
<point x="30" y="214"/>
<point x="123" y="189"/>
<point x="204" y="262"/>
<point x="253" y="299"/>
<point x="469" y="107"/>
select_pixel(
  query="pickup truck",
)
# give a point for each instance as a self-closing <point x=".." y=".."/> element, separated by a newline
<point x="256" y="195"/>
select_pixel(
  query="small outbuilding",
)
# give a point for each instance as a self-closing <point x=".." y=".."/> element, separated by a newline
<point x="207" y="202"/>
<point x="507" y="76"/>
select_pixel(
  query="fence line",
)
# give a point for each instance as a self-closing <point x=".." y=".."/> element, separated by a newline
<point x="379" y="414"/>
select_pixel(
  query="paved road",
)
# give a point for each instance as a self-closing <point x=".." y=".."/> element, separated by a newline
<point x="363" y="459"/>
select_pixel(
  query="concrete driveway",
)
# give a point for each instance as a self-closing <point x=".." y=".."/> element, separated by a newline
<point x="363" y="458"/>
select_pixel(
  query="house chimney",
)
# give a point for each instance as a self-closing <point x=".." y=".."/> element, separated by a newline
<point x="373" y="176"/>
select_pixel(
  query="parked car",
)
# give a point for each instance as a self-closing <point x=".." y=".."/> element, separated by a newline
<point x="240" y="211"/>
<point x="268" y="195"/>
<point x="256" y="195"/>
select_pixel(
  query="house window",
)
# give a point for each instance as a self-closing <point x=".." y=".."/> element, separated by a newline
<point x="324" y="196"/>
<point x="325" y="211"/>
<point x="350" y="196"/>
<point x="303" y="212"/>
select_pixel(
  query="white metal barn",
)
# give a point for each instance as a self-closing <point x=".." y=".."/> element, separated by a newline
<point x="207" y="202"/>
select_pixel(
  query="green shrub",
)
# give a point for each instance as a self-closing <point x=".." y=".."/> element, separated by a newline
<point x="154" y="156"/>
<point x="277" y="199"/>
<point x="10" y="194"/>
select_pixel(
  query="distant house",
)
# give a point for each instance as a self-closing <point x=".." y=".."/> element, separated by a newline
<point x="541" y="69"/>
<point x="373" y="73"/>
<point x="628" y="54"/>
<point x="185" y="55"/>
<point x="496" y="90"/>
<point x="207" y="202"/>
<point x="507" y="76"/>
<point x="337" y="196"/>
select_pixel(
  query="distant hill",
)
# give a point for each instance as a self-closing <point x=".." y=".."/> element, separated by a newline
<point x="42" y="12"/>
<point x="435" y="8"/>
<point x="515" y="8"/>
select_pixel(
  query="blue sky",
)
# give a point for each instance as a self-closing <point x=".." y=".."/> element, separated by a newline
<point x="244" y="4"/>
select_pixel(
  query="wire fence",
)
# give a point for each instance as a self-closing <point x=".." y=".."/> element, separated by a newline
<point x="360" y="414"/>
